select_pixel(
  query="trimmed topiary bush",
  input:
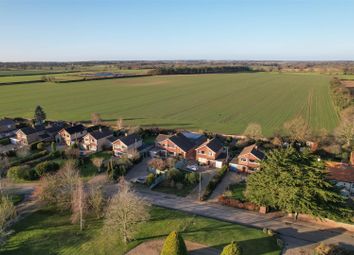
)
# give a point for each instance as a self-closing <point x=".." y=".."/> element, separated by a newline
<point x="40" y="146"/>
<point x="232" y="249"/>
<point x="174" y="245"/>
<point x="150" y="179"/>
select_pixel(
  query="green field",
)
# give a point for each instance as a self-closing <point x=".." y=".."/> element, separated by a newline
<point x="50" y="232"/>
<point x="215" y="102"/>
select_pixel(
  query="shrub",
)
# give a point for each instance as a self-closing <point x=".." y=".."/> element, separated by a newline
<point x="174" y="245"/>
<point x="179" y="186"/>
<point x="192" y="178"/>
<point x="5" y="141"/>
<point x="40" y="146"/>
<point x="175" y="175"/>
<point x="23" y="172"/>
<point x="46" y="167"/>
<point x="329" y="249"/>
<point x="214" y="182"/>
<point x="30" y="157"/>
<point x="232" y="249"/>
<point x="150" y="179"/>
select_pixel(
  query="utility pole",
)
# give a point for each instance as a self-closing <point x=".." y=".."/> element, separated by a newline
<point x="200" y="186"/>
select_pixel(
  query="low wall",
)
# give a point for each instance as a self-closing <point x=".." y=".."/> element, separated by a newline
<point x="238" y="204"/>
<point x="324" y="222"/>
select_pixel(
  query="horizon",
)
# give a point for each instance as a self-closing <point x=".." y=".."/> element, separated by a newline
<point x="84" y="31"/>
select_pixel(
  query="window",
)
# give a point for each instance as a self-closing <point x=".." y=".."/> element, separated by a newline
<point x="210" y="153"/>
<point x="243" y="159"/>
<point x="201" y="152"/>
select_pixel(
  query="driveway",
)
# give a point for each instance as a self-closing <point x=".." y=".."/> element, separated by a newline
<point x="206" y="177"/>
<point x="229" y="178"/>
<point x="138" y="170"/>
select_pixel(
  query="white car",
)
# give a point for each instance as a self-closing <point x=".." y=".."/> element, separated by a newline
<point x="192" y="167"/>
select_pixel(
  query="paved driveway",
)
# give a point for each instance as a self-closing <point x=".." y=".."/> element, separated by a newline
<point x="138" y="170"/>
<point x="229" y="178"/>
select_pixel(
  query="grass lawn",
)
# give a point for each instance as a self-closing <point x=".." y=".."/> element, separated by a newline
<point x="236" y="191"/>
<point x="49" y="232"/>
<point x="216" y="102"/>
<point x="187" y="189"/>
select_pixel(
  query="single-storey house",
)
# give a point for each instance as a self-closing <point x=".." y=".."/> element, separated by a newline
<point x="126" y="144"/>
<point x="209" y="153"/>
<point x="248" y="160"/>
<point x="72" y="134"/>
<point x="97" y="140"/>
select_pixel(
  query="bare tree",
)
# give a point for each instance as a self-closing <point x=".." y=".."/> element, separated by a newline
<point x="58" y="189"/>
<point x="97" y="162"/>
<point x="157" y="164"/>
<point x="96" y="118"/>
<point x="134" y="130"/>
<point x="7" y="214"/>
<point x="253" y="131"/>
<point x="120" y="123"/>
<point x="125" y="211"/>
<point x="78" y="204"/>
<point x="345" y="132"/>
<point x="96" y="200"/>
<point x="297" y="129"/>
<point x="22" y="151"/>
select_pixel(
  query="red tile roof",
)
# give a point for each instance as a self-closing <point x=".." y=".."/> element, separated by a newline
<point x="341" y="172"/>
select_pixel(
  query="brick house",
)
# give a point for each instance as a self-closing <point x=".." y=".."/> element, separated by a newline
<point x="181" y="144"/>
<point x="343" y="177"/>
<point x="126" y="144"/>
<point x="209" y="153"/>
<point x="72" y="134"/>
<point x="97" y="140"/>
<point x="28" y="135"/>
<point x="248" y="160"/>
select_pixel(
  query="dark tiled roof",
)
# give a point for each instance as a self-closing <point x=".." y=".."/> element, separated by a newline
<point x="253" y="150"/>
<point x="31" y="130"/>
<point x="129" y="139"/>
<point x="112" y="139"/>
<point x="99" y="134"/>
<point x="214" y="144"/>
<point x="6" y="122"/>
<point x="182" y="142"/>
<point x="75" y="129"/>
<point x="53" y="130"/>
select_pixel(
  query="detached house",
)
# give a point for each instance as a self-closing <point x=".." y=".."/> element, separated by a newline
<point x="248" y="160"/>
<point x="181" y="144"/>
<point x="126" y="144"/>
<point x="211" y="152"/>
<point x="343" y="177"/>
<point x="73" y="134"/>
<point x="97" y="140"/>
<point x="28" y="135"/>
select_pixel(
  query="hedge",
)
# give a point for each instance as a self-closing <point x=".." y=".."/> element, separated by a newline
<point x="23" y="172"/>
<point x="5" y="141"/>
<point x="214" y="182"/>
<point x="46" y="167"/>
<point x="30" y="157"/>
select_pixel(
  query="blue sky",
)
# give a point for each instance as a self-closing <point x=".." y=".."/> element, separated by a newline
<point x="44" y="30"/>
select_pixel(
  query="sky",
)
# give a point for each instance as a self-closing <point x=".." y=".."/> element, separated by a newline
<point x="81" y="30"/>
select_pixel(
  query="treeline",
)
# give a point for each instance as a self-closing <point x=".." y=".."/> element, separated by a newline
<point x="341" y="95"/>
<point x="200" y="70"/>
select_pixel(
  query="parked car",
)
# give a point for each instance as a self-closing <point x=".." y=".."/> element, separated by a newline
<point x="141" y="179"/>
<point x="192" y="167"/>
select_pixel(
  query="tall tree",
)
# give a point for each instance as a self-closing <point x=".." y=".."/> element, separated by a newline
<point x="253" y="131"/>
<point x="295" y="182"/>
<point x="39" y="116"/>
<point x="125" y="211"/>
<point x="7" y="213"/>
<point x="96" y="118"/>
<point x="345" y="133"/>
<point x="297" y="129"/>
<point x="78" y="204"/>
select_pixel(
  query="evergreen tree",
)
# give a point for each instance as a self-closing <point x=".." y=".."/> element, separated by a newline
<point x="232" y="249"/>
<point x="53" y="147"/>
<point x="295" y="182"/>
<point x="39" y="116"/>
<point x="174" y="245"/>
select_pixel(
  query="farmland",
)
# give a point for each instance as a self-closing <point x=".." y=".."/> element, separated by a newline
<point x="215" y="102"/>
